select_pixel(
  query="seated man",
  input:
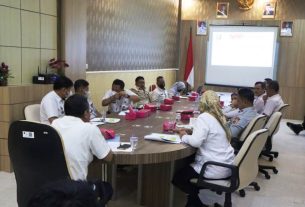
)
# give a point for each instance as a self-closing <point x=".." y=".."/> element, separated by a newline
<point x="117" y="98"/>
<point x="177" y="89"/>
<point x="259" y="92"/>
<point x="296" y="128"/>
<point x="141" y="92"/>
<point x="81" y="139"/>
<point x="231" y="110"/>
<point x="246" y="112"/>
<point x="160" y="93"/>
<point x="81" y="87"/>
<point x="52" y="104"/>
<point x="274" y="100"/>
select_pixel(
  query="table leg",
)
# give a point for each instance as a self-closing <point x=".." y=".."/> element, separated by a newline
<point x="140" y="185"/>
<point x="113" y="180"/>
<point x="171" y="187"/>
<point x="157" y="190"/>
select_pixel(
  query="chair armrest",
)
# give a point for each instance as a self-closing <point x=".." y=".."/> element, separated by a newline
<point x="234" y="178"/>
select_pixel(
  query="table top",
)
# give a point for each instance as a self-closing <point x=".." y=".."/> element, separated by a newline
<point x="147" y="151"/>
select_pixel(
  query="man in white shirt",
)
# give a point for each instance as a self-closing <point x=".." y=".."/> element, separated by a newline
<point x="81" y="87"/>
<point x="259" y="92"/>
<point x="141" y="91"/>
<point x="274" y="100"/>
<point x="160" y="93"/>
<point x="82" y="140"/>
<point x="52" y="104"/>
<point x="117" y="98"/>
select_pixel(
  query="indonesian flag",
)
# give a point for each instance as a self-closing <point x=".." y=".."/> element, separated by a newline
<point x="189" y="65"/>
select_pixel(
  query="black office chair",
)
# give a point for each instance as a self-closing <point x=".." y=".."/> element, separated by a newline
<point x="38" y="157"/>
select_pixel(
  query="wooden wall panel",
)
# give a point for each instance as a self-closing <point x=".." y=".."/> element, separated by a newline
<point x="74" y="37"/>
<point x="4" y="126"/>
<point x="3" y="147"/>
<point x="5" y="164"/>
<point x="12" y="103"/>
<point x="291" y="65"/>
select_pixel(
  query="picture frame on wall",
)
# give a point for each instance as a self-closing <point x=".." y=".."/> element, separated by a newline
<point x="269" y="10"/>
<point x="222" y="10"/>
<point x="201" y="27"/>
<point x="286" y="29"/>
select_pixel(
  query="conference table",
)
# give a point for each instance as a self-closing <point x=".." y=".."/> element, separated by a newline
<point x="155" y="160"/>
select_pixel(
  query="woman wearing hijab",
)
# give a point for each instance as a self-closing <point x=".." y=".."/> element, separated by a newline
<point x="176" y="89"/>
<point x="211" y="137"/>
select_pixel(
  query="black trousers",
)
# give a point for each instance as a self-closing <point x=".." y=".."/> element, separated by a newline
<point x="182" y="180"/>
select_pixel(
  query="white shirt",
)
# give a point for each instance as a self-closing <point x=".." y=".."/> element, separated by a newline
<point x="259" y="103"/>
<point x="52" y="105"/>
<point x="119" y="104"/>
<point x="81" y="141"/>
<point x="211" y="140"/>
<point x="273" y="104"/>
<point x="229" y="111"/>
<point x="158" y="95"/>
<point x="93" y="111"/>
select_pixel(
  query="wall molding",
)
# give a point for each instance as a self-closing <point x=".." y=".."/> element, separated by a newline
<point x="131" y="71"/>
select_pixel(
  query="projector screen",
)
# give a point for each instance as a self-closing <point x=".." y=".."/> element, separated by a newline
<point x="241" y="55"/>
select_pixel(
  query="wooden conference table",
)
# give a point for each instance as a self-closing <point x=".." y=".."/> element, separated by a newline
<point x="155" y="160"/>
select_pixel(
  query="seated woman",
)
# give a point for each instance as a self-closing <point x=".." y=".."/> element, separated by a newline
<point x="212" y="138"/>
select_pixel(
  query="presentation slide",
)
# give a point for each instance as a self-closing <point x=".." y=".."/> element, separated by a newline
<point x="241" y="55"/>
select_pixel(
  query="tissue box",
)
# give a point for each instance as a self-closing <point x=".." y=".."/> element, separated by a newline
<point x="176" y="98"/>
<point x="192" y="98"/>
<point x="108" y="133"/>
<point x="130" y="116"/>
<point x="151" y="107"/>
<point x="164" y="107"/>
<point x="143" y="113"/>
<point x="169" y="125"/>
<point x="168" y="101"/>
<point x="187" y="114"/>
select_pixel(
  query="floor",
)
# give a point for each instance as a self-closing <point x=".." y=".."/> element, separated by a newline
<point x="286" y="189"/>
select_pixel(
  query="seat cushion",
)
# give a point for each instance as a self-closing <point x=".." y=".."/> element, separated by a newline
<point x="224" y="183"/>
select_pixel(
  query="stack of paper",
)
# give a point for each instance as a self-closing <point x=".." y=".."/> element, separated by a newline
<point x="97" y="121"/>
<point x="170" y="138"/>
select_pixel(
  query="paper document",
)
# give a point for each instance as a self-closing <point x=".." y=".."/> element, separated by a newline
<point x="97" y="121"/>
<point x="170" y="138"/>
<point x="123" y="113"/>
<point x="114" y="146"/>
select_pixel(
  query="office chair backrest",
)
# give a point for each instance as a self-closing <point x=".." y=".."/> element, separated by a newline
<point x="283" y="108"/>
<point x="273" y="123"/>
<point x="38" y="157"/>
<point x="32" y="112"/>
<point x="247" y="157"/>
<point x="255" y="124"/>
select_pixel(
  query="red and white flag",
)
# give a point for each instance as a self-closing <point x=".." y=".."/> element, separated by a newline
<point x="189" y="65"/>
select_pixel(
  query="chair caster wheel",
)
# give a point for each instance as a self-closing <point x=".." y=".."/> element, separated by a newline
<point x="270" y="159"/>
<point x="275" y="171"/>
<point x="217" y="205"/>
<point x="242" y="193"/>
<point x="257" y="188"/>
<point x="267" y="176"/>
<point x="276" y="155"/>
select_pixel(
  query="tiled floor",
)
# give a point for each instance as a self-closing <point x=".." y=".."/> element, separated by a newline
<point x="286" y="189"/>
